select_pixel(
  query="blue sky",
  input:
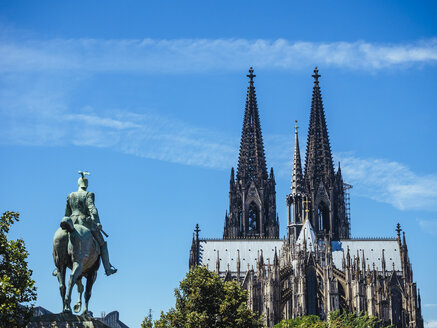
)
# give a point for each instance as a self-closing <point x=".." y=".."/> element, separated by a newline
<point x="149" y="97"/>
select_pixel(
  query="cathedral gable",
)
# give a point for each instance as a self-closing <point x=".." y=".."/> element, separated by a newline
<point x="322" y="195"/>
<point x="253" y="195"/>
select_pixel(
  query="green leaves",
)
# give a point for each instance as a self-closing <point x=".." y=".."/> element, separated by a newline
<point x="203" y="299"/>
<point x="336" y="319"/>
<point x="16" y="285"/>
<point x="360" y="320"/>
<point x="304" y="322"/>
<point x="147" y="323"/>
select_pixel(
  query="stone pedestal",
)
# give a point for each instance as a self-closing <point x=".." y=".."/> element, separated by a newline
<point x="65" y="320"/>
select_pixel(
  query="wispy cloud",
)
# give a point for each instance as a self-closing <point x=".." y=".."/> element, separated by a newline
<point x="144" y="135"/>
<point x="200" y="55"/>
<point x="34" y="107"/>
<point x="40" y="116"/>
<point x="378" y="179"/>
<point x="430" y="227"/>
<point x="390" y="182"/>
<point x="431" y="324"/>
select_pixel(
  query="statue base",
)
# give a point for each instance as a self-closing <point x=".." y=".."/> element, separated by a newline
<point x="65" y="320"/>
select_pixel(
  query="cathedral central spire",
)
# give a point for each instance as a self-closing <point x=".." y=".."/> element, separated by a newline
<point x="295" y="200"/>
<point x="297" y="179"/>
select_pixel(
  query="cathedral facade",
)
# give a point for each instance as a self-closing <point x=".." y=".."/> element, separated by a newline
<point x="318" y="268"/>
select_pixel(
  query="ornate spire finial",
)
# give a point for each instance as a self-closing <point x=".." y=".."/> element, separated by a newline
<point x="197" y="230"/>
<point x="398" y="230"/>
<point x="251" y="75"/>
<point x="296" y="127"/>
<point x="316" y="75"/>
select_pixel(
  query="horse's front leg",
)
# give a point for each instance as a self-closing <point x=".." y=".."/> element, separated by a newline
<point x="77" y="307"/>
<point x="75" y="273"/>
<point x="60" y="274"/>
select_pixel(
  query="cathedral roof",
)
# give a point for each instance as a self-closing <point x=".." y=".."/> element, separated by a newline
<point x="228" y="252"/>
<point x="306" y="235"/>
<point x="372" y="252"/>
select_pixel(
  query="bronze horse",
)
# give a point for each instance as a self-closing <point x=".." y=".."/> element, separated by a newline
<point x="75" y="248"/>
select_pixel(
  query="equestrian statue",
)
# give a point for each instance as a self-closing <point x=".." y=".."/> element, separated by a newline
<point x="79" y="245"/>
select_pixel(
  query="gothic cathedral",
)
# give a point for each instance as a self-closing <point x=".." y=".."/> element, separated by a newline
<point x="318" y="268"/>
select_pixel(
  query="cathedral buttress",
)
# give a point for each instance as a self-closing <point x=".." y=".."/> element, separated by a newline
<point x="252" y="195"/>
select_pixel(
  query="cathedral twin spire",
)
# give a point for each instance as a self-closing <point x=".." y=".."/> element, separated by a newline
<point x="317" y="205"/>
<point x="252" y="196"/>
<point x="320" y="187"/>
<point x="318" y="160"/>
<point x="252" y="161"/>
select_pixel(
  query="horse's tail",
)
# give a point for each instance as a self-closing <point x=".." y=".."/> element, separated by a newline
<point x="60" y="252"/>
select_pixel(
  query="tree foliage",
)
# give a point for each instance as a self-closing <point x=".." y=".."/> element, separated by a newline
<point x="203" y="299"/>
<point x="336" y="319"/>
<point x="147" y="323"/>
<point x="16" y="284"/>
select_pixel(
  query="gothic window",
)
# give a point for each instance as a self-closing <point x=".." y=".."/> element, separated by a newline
<point x="253" y="215"/>
<point x="311" y="289"/>
<point x="320" y="218"/>
<point x="396" y="306"/>
<point x="342" y="298"/>
<point x="300" y="212"/>
<point x="323" y="218"/>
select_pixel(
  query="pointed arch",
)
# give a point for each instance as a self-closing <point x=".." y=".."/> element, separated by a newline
<point x="342" y="297"/>
<point x="253" y="217"/>
<point x="396" y="306"/>
<point x="323" y="217"/>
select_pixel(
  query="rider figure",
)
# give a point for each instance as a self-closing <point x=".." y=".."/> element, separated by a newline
<point x="81" y="209"/>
